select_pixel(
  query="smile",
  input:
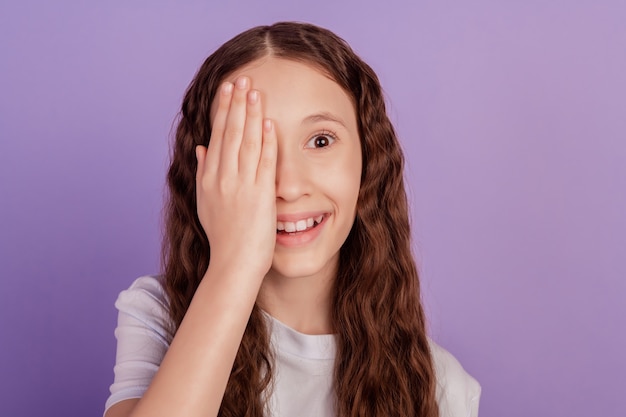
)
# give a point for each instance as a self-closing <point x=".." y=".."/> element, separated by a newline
<point x="297" y="231"/>
<point x="299" y="225"/>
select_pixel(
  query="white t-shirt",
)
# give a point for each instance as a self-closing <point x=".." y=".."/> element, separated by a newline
<point x="303" y="371"/>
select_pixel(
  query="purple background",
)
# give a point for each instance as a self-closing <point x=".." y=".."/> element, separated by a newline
<point x="513" y="117"/>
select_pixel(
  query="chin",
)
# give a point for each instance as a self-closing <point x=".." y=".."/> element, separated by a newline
<point x="296" y="267"/>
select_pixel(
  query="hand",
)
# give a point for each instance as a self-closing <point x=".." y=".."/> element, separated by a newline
<point x="235" y="181"/>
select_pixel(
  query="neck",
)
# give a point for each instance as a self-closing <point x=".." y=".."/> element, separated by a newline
<point x="302" y="303"/>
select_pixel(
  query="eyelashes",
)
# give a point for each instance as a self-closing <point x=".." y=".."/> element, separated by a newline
<point x="321" y="140"/>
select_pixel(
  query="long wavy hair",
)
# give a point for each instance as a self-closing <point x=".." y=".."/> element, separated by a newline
<point x="383" y="365"/>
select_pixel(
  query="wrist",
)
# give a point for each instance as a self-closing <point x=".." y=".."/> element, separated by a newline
<point x="236" y="277"/>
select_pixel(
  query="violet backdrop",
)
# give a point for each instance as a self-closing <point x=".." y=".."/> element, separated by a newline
<point x="513" y="118"/>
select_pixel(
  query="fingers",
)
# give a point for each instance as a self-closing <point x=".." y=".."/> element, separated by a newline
<point x="252" y="136"/>
<point x="235" y="123"/>
<point x="266" y="171"/>
<point x="201" y="153"/>
<point x="240" y="141"/>
<point x="219" y="126"/>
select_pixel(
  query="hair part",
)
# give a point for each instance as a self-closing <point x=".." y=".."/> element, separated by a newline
<point x="383" y="365"/>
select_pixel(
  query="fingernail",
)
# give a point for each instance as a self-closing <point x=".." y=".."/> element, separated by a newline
<point x="242" y="82"/>
<point x="253" y="96"/>
<point x="267" y="125"/>
<point x="227" y="88"/>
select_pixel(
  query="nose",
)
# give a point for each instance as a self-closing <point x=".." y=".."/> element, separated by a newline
<point x="292" y="180"/>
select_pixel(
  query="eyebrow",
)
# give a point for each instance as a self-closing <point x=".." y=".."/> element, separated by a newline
<point x="323" y="117"/>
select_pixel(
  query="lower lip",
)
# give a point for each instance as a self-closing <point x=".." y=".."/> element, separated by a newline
<point x="300" y="238"/>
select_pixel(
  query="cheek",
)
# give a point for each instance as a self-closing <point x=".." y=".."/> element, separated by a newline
<point x="347" y="182"/>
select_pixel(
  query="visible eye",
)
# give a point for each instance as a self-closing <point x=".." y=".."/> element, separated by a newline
<point x="321" y="140"/>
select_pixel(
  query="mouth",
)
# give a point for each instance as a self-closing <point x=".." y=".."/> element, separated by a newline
<point x="299" y="226"/>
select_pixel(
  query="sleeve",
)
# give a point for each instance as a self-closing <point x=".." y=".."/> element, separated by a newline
<point x="143" y="336"/>
<point x="458" y="393"/>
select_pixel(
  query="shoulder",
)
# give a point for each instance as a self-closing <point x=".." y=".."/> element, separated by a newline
<point x="458" y="393"/>
<point x="143" y="335"/>
<point x="144" y="290"/>
<point x="145" y="301"/>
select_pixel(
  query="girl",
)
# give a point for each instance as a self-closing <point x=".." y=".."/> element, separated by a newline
<point x="289" y="285"/>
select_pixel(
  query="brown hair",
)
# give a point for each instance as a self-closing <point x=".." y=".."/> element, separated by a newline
<point x="383" y="365"/>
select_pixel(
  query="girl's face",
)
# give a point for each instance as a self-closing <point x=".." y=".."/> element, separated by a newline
<point x="318" y="170"/>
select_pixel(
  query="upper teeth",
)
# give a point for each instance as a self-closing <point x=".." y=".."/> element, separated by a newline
<point x="299" y="225"/>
